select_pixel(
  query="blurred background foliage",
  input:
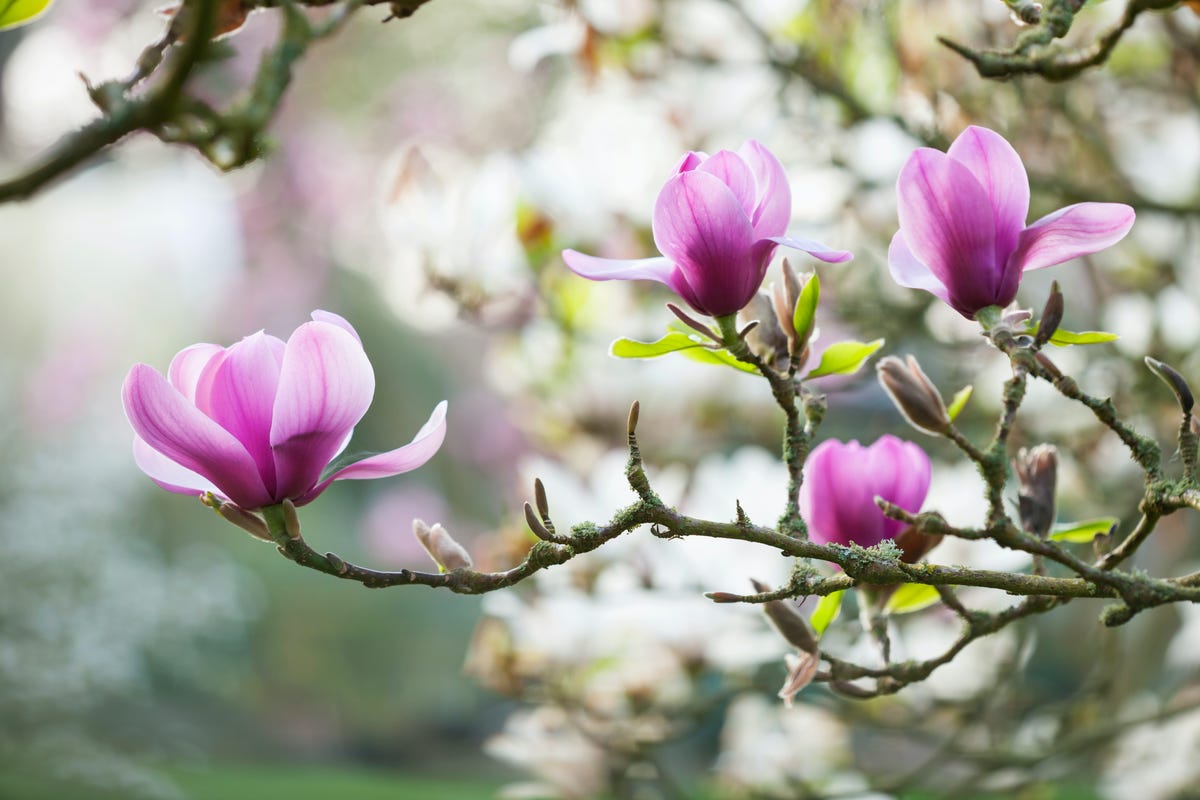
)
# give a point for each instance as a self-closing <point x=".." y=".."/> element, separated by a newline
<point x="425" y="175"/>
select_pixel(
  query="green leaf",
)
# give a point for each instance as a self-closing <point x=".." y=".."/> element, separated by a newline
<point x="676" y="341"/>
<point x="19" y="12"/>
<point x="826" y="611"/>
<point x="845" y="358"/>
<point x="806" y="306"/>
<point x="706" y="356"/>
<point x="1083" y="531"/>
<point x="672" y="342"/>
<point x="960" y="399"/>
<point x="1063" y="338"/>
<point x="911" y="597"/>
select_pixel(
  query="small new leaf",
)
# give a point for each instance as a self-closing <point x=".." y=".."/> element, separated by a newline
<point x="1083" y="531"/>
<point x="826" y="612"/>
<point x="706" y="356"/>
<point x="672" y="342"/>
<point x="911" y="597"/>
<point x="845" y="358"/>
<point x="20" y="12"/>
<point x="1062" y="338"/>
<point x="960" y="401"/>
<point x="806" y="309"/>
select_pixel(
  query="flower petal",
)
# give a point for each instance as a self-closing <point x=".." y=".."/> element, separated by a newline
<point x="1070" y="232"/>
<point x="170" y="424"/>
<point x="701" y="226"/>
<point x="325" y="387"/>
<point x="608" y="269"/>
<point x="836" y="498"/>
<point x="336" y="319"/>
<point x="240" y="397"/>
<point x="189" y="364"/>
<point x="169" y="475"/>
<point x="690" y="161"/>
<point x="899" y="472"/>
<point x="732" y="171"/>
<point x="403" y="459"/>
<point x="908" y="271"/>
<point x="814" y="248"/>
<point x="773" y="205"/>
<point x="651" y="269"/>
<point x="946" y="217"/>
<point x="998" y="168"/>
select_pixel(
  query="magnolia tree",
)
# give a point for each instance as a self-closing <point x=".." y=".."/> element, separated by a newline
<point x="605" y="627"/>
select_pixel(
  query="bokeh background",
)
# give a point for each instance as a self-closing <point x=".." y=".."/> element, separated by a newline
<point x="425" y="176"/>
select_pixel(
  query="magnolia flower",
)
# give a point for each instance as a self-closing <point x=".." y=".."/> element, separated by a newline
<point x="963" y="236"/>
<point x="717" y="221"/>
<point x="259" y="422"/>
<point x="842" y="480"/>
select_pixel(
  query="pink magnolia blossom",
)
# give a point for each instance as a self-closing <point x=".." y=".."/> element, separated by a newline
<point x="842" y="480"/>
<point x="259" y="422"/>
<point x="963" y="236"/>
<point x="717" y="223"/>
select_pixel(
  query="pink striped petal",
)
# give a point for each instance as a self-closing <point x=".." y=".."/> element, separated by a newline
<point x="608" y="269"/>
<point x="394" y="462"/>
<point x="946" y="217"/>
<point x="732" y="171"/>
<point x="335" y="319"/>
<point x="690" y="161"/>
<point x="169" y="475"/>
<point x="170" y="424"/>
<point x="241" y="397"/>
<point x="1078" y="230"/>
<point x="908" y="271"/>
<point x="814" y="248"/>
<point x="834" y="494"/>
<point x="325" y="387"/>
<point x="773" y="205"/>
<point x="998" y="168"/>
<point x="899" y="472"/>
<point x="188" y="365"/>
<point x="701" y="226"/>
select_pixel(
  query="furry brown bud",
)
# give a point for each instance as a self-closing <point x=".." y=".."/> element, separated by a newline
<point x="914" y="394"/>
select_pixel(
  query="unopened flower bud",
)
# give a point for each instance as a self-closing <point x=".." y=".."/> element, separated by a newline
<point x="1037" y="477"/>
<point x="250" y="523"/>
<point x="914" y="545"/>
<point x="1051" y="316"/>
<point x="446" y="553"/>
<point x="1025" y="12"/>
<point x="914" y="394"/>
<point x="536" y="525"/>
<point x="790" y="622"/>
<point x="1172" y="378"/>
<point x="784" y="296"/>
<point x="291" y="520"/>
<point x="768" y="339"/>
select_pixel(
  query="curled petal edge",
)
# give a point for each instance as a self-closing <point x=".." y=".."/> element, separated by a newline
<point x="393" y="462"/>
<point x="1077" y="230"/>
<point x="608" y="269"/>
<point x="814" y="248"/>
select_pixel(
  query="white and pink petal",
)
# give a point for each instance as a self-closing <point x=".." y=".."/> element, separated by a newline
<point x="241" y="397"/>
<point x="817" y="250"/>
<point x="168" y="474"/>
<point x="610" y="269"/>
<point x="773" y="206"/>
<point x="998" y="168"/>
<point x="167" y="422"/>
<point x="1077" y="230"/>
<point x="325" y="387"/>
<point x="393" y="462"/>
